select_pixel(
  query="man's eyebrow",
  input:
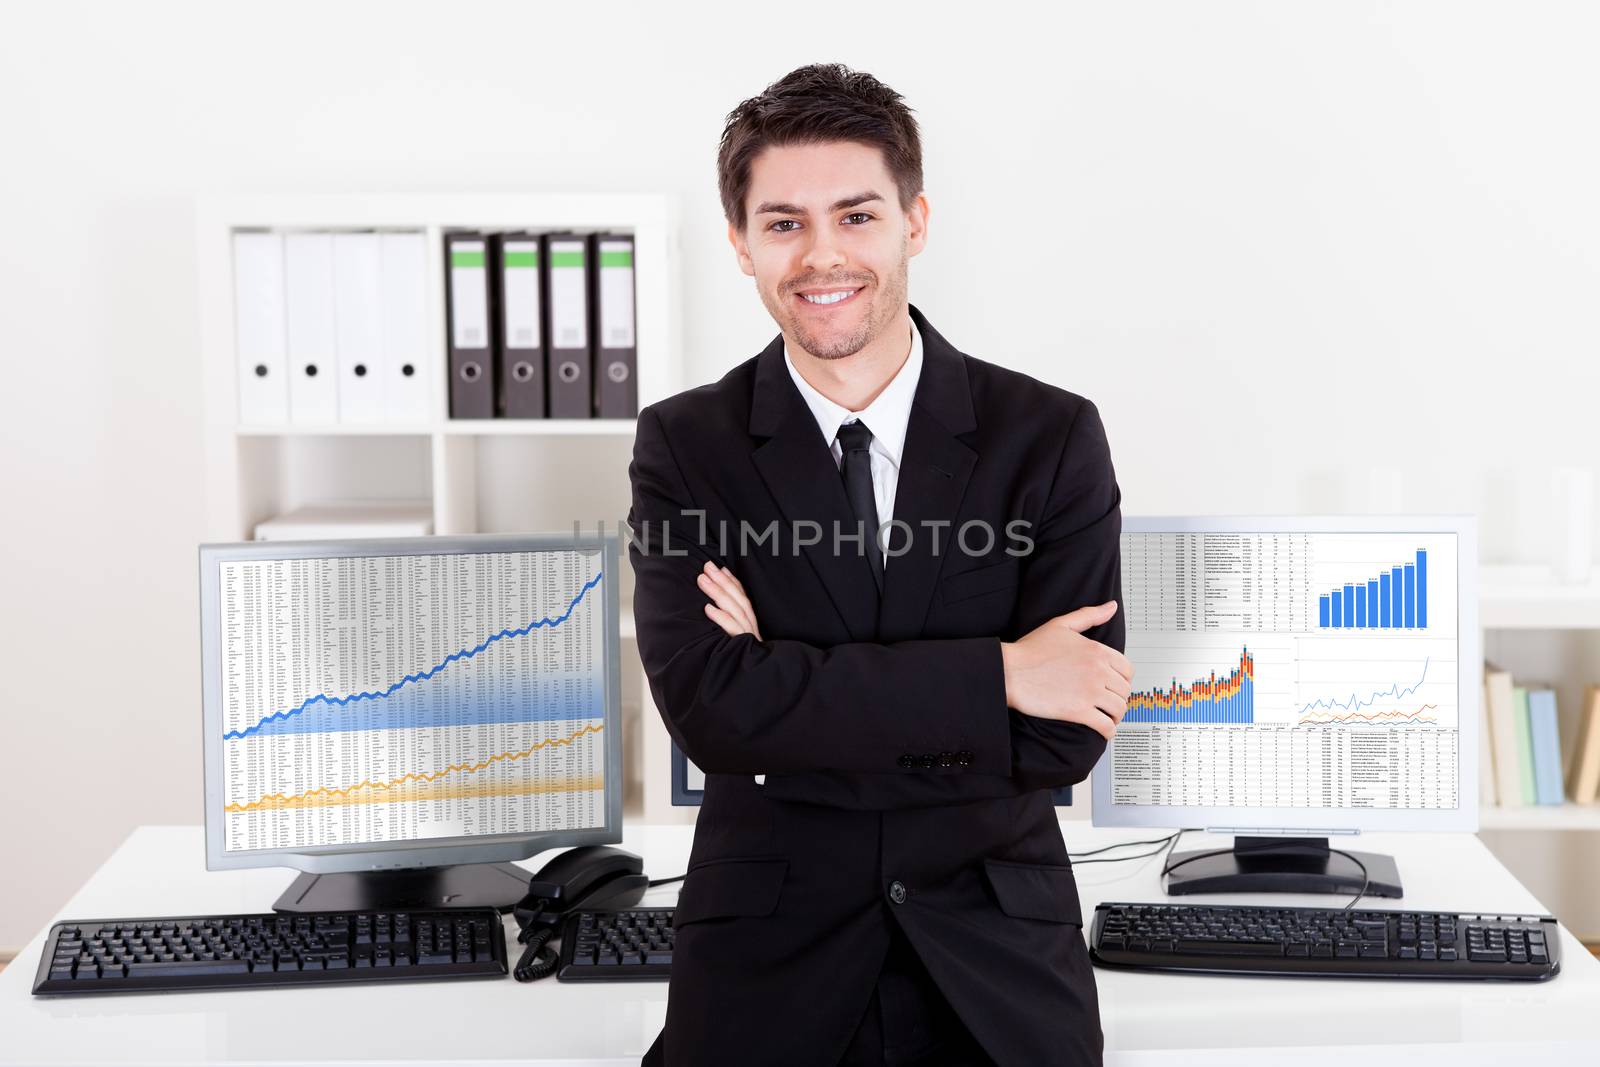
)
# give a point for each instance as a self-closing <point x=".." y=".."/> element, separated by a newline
<point x="769" y="207"/>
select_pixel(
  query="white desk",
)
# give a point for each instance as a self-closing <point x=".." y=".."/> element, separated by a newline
<point x="1147" y="1018"/>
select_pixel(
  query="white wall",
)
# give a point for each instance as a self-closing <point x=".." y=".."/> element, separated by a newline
<point x="1282" y="245"/>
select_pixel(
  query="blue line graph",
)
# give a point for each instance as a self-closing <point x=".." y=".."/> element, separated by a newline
<point x="476" y="715"/>
<point x="1355" y="704"/>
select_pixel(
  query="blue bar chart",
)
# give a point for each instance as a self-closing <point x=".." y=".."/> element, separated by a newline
<point x="1395" y="599"/>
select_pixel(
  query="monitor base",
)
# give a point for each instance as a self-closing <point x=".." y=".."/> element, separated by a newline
<point x="1281" y="865"/>
<point x="469" y="885"/>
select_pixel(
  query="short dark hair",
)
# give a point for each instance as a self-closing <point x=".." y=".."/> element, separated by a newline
<point x="818" y="103"/>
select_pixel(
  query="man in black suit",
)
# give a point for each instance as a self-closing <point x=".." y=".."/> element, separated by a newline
<point x="877" y="875"/>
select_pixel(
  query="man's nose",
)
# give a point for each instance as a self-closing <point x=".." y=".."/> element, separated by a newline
<point x="825" y="252"/>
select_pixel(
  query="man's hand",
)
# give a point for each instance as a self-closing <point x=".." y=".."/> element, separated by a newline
<point x="730" y="607"/>
<point x="1054" y="672"/>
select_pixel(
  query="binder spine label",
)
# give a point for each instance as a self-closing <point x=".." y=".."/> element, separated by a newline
<point x="568" y="318"/>
<point x="469" y="289"/>
<point x="521" y="291"/>
<point x="616" y="294"/>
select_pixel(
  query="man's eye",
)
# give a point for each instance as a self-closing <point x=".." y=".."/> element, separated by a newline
<point x="858" y="215"/>
<point x="780" y="222"/>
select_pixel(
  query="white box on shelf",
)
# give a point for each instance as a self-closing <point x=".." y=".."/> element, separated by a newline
<point x="349" y="519"/>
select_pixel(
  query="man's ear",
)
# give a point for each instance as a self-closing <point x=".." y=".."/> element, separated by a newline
<point x="917" y="225"/>
<point x="741" y="250"/>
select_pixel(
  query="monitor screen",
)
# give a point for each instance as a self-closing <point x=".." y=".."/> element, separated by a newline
<point x="371" y="698"/>
<point x="1297" y="674"/>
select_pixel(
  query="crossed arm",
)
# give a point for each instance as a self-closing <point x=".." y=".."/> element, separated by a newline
<point x="826" y="725"/>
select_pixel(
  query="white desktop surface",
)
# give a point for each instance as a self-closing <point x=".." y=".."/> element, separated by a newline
<point x="1147" y="1017"/>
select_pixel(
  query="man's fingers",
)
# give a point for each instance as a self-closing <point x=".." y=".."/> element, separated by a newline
<point x="1121" y="664"/>
<point x="1118" y="684"/>
<point x="730" y="599"/>
<point x="1085" y="618"/>
<point x="725" y="580"/>
<point x="724" y="620"/>
<point x="724" y="602"/>
<point x="1110" y="704"/>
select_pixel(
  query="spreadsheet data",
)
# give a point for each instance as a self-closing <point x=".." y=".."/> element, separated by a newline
<point x="397" y="698"/>
<point x="1289" y="670"/>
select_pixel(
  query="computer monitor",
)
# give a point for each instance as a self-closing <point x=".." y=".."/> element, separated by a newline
<point x="399" y="718"/>
<point x="1296" y="678"/>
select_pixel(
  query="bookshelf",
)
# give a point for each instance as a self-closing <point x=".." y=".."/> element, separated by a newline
<point x="476" y="476"/>
<point x="1514" y="599"/>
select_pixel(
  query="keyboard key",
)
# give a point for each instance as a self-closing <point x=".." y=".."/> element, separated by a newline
<point x="1230" y="948"/>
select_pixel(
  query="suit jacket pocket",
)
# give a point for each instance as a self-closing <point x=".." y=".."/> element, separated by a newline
<point x="990" y="579"/>
<point x="1034" y="890"/>
<point x="723" y="887"/>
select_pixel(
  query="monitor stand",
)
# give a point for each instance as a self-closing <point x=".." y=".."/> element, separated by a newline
<point x="1281" y="865"/>
<point x="469" y="885"/>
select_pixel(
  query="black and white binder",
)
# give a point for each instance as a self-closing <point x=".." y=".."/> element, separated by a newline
<point x="472" y="387"/>
<point x="520" y="349"/>
<point x="570" y="353"/>
<point x="616" y="386"/>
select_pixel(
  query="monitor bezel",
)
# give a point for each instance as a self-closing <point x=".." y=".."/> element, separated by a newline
<point x="405" y="855"/>
<point x="1290" y="820"/>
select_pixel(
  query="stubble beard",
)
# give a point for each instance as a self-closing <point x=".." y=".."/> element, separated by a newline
<point x="885" y="302"/>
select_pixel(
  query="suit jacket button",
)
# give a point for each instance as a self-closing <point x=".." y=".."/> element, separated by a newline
<point x="930" y="761"/>
<point x="947" y="759"/>
<point x="964" y="758"/>
<point x="897" y="892"/>
<point x="908" y="760"/>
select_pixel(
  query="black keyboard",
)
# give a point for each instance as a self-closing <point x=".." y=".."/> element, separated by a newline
<point x="615" y="946"/>
<point x="247" y="951"/>
<point x="1325" y="942"/>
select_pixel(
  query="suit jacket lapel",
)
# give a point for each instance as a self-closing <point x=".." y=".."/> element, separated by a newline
<point x="797" y="466"/>
<point x="935" y="466"/>
<point x="934" y="470"/>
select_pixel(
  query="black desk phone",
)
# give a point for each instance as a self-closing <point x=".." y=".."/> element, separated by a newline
<point x="589" y="876"/>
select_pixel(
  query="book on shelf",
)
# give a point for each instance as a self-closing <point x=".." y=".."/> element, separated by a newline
<point x="1524" y="753"/>
<point x="1583" y="774"/>
<point x="1521" y="732"/>
<point x="1501" y="737"/>
<point x="1544" y="737"/>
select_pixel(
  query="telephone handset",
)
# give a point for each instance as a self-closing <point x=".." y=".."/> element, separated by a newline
<point x="590" y="876"/>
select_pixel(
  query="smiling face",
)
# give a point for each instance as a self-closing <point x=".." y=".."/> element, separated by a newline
<point x="828" y="244"/>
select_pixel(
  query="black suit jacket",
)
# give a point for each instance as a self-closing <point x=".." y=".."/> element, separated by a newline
<point x="890" y="754"/>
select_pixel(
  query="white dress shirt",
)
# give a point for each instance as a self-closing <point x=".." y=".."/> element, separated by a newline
<point x="887" y="417"/>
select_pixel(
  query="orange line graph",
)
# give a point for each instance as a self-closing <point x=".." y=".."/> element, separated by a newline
<point x="412" y="786"/>
<point x="1382" y="716"/>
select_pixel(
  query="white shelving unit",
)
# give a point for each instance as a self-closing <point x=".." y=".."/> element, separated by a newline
<point x="478" y="476"/>
<point x="1519" y="598"/>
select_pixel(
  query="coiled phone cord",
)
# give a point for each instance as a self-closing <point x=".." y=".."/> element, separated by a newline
<point x="538" y="960"/>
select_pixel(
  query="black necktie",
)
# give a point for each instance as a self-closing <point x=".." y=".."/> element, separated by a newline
<point x="856" y="441"/>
